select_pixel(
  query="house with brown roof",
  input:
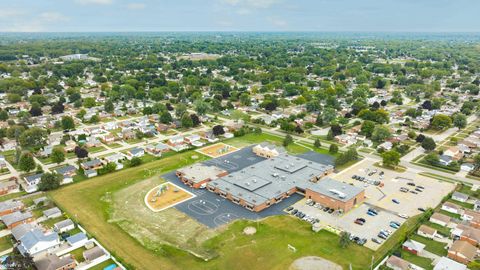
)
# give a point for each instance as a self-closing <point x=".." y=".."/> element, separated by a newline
<point x="451" y="207"/>
<point x="440" y="219"/>
<point x="462" y="252"/>
<point x="467" y="233"/>
<point x="397" y="263"/>
<point x="426" y="231"/>
<point x="53" y="262"/>
<point x="472" y="217"/>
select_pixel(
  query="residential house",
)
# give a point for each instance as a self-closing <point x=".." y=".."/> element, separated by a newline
<point x="162" y="127"/>
<point x="79" y="239"/>
<point x="52" y="213"/>
<point x="36" y="241"/>
<point x="128" y="134"/>
<point x="19" y="231"/>
<point x="448" y="264"/>
<point x="93" y="164"/>
<point x="413" y="246"/>
<point x="467" y="167"/>
<point x="10" y="206"/>
<point x="440" y="219"/>
<point x="192" y="138"/>
<point x="70" y="146"/>
<point x="10" y="186"/>
<point x="157" y="149"/>
<point x="387" y="146"/>
<point x="94" y="253"/>
<point x="16" y="218"/>
<point x="135" y="152"/>
<point x="115" y="158"/>
<point x="53" y="262"/>
<point x="460" y="197"/>
<point x="396" y="263"/>
<point x="46" y="151"/>
<point x="451" y="207"/>
<point x="93" y="142"/>
<point x="453" y="152"/>
<point x="90" y="173"/>
<point x="462" y="252"/>
<point x="176" y="140"/>
<point x="68" y="172"/>
<point x="467" y="233"/>
<point x="31" y="182"/>
<point x="473" y="218"/>
<point x="107" y="138"/>
<point x="426" y="231"/>
<point x="445" y="160"/>
<point x="64" y="226"/>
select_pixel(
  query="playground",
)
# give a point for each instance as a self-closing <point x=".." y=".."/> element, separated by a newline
<point x="217" y="150"/>
<point x="166" y="195"/>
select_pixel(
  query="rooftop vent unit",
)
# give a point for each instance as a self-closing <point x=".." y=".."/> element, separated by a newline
<point x="247" y="184"/>
<point x="254" y="180"/>
<point x="340" y="194"/>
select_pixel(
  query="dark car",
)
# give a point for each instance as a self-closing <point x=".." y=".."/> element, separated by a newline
<point x="383" y="236"/>
<point x="421" y="209"/>
<point x="419" y="190"/>
<point x="411" y="184"/>
<point x="290" y="208"/>
<point x="359" y="221"/>
<point x="375" y="240"/>
<point x="420" y="187"/>
<point x="326" y="209"/>
<point x="331" y="210"/>
<point x="413" y="192"/>
<point x="294" y="211"/>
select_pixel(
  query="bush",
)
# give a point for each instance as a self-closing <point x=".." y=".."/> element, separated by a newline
<point x="135" y="162"/>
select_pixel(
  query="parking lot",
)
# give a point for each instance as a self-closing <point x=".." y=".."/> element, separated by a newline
<point x="380" y="197"/>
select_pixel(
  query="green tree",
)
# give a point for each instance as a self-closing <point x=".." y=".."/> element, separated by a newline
<point x="49" y="181"/>
<point x="89" y="102"/>
<point x="441" y="121"/>
<point x="58" y="155"/>
<point x="3" y="115"/>
<point x="180" y="109"/>
<point x="367" y="128"/>
<point x="108" y="106"/>
<point x="34" y="137"/>
<point x="429" y="144"/>
<point x="460" y="120"/>
<point x="187" y="121"/>
<point x="333" y="149"/>
<point x="432" y="158"/>
<point x="390" y="158"/>
<point x="287" y="141"/>
<point x="381" y="133"/>
<point x="317" y="143"/>
<point x="344" y="239"/>
<point x="68" y="123"/>
<point x="135" y="161"/>
<point x="26" y="162"/>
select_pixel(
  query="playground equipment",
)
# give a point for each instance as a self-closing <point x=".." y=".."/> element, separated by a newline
<point x="223" y="150"/>
<point x="162" y="189"/>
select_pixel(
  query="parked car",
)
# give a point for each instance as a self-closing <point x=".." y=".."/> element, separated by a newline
<point x="294" y="211"/>
<point x="382" y="236"/>
<point x="331" y="210"/>
<point x="375" y="240"/>
<point x="411" y="184"/>
<point x="359" y="221"/>
<point x="396" y="201"/>
<point x="373" y="210"/>
<point x="326" y="209"/>
<point x="393" y="225"/>
<point x="419" y="190"/>
<point x="403" y="216"/>
<point x="404" y="189"/>
<point x="421" y="209"/>
<point x="289" y="208"/>
<point x="413" y="192"/>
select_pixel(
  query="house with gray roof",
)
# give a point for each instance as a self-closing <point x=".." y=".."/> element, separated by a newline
<point x="53" y="262"/>
<point x="16" y="218"/>
<point x="64" y="226"/>
<point x="52" y="213"/>
<point x="19" y="231"/>
<point x="31" y="182"/>
<point x="77" y="239"/>
<point x="460" y="197"/>
<point x="10" y="206"/>
<point x="94" y="253"/>
<point x="36" y="241"/>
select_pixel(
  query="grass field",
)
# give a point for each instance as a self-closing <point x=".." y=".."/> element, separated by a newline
<point x="431" y="245"/>
<point x="6" y="243"/>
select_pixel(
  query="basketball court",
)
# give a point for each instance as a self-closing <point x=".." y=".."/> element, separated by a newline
<point x="165" y="196"/>
<point x="217" y="150"/>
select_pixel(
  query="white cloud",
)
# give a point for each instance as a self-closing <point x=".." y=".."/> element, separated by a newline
<point x="251" y="3"/>
<point x="136" y="6"/>
<point x="17" y="21"/>
<point x="277" y="21"/>
<point x="94" y="2"/>
<point x="52" y="17"/>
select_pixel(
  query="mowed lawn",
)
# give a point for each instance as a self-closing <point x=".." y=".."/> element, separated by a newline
<point x="88" y="202"/>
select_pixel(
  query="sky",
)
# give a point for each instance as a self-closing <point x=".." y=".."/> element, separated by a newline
<point x="240" y="15"/>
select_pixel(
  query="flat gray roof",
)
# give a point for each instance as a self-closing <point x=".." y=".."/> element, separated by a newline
<point x="335" y="189"/>
<point x="270" y="178"/>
